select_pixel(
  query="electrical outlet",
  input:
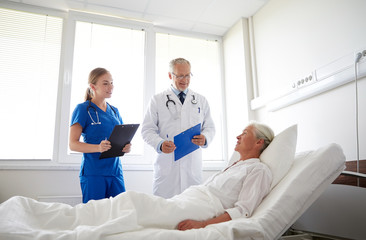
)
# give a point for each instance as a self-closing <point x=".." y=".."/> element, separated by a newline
<point x="304" y="81"/>
<point x="360" y="55"/>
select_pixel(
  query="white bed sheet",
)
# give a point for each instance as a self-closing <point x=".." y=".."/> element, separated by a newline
<point x="310" y="174"/>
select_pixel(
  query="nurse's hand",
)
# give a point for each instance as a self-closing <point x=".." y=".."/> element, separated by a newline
<point x="168" y="147"/>
<point x="199" y="140"/>
<point x="127" y="148"/>
<point x="104" y="145"/>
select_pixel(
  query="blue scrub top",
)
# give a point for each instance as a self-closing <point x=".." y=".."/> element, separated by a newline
<point x="94" y="134"/>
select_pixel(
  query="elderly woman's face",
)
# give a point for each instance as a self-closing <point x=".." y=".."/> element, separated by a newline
<point x="246" y="140"/>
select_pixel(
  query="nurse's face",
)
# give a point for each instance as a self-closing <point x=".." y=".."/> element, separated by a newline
<point x="181" y="76"/>
<point x="104" y="86"/>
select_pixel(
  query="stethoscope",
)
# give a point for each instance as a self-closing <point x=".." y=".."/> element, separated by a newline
<point x="96" y="113"/>
<point x="193" y="101"/>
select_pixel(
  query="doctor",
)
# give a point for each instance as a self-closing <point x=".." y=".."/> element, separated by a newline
<point x="170" y="113"/>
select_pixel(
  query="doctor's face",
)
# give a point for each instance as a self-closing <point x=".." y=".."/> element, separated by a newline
<point x="181" y="76"/>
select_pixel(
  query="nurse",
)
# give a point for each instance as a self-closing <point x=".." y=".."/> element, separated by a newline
<point x="169" y="113"/>
<point x="94" y="120"/>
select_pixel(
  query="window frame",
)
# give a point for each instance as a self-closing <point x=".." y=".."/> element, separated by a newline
<point x="60" y="157"/>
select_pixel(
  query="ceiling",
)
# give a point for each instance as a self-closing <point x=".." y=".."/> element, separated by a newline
<point x="202" y="16"/>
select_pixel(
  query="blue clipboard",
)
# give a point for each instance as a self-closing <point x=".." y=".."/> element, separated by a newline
<point x="183" y="142"/>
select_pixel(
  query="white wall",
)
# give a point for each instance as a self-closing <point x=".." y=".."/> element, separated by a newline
<point x="294" y="37"/>
<point x="237" y="68"/>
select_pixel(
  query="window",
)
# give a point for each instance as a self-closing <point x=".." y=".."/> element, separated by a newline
<point x="121" y="51"/>
<point x="204" y="56"/>
<point x="30" y="47"/>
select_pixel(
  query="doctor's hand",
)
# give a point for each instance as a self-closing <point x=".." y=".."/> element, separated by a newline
<point x="199" y="140"/>
<point x="104" y="145"/>
<point x="127" y="148"/>
<point x="168" y="147"/>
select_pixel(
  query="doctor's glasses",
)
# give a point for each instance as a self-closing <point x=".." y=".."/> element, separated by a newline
<point x="188" y="76"/>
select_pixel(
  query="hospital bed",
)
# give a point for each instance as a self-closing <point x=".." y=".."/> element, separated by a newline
<point x="309" y="174"/>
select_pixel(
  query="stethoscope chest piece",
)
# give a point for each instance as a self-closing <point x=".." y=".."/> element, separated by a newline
<point x="194" y="101"/>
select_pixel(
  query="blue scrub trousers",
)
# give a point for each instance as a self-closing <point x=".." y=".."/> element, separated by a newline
<point x="99" y="187"/>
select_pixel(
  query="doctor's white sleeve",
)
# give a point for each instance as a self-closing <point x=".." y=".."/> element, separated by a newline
<point x="150" y="129"/>
<point x="208" y="125"/>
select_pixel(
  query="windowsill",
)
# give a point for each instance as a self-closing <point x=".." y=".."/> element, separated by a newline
<point x="48" y="165"/>
<point x="45" y="164"/>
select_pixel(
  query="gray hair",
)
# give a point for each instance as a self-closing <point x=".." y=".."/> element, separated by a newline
<point x="264" y="132"/>
<point x="176" y="61"/>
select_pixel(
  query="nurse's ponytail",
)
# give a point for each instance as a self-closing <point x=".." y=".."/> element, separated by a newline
<point x="88" y="94"/>
<point x="93" y="79"/>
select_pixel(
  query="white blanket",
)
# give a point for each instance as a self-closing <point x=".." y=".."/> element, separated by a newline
<point x="130" y="211"/>
<point x="139" y="216"/>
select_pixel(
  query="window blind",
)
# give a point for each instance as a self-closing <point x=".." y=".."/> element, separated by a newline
<point x="30" y="46"/>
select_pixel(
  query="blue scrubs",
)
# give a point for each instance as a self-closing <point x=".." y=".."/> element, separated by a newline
<point x="99" y="178"/>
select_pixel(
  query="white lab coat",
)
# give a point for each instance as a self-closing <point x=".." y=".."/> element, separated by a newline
<point x="173" y="177"/>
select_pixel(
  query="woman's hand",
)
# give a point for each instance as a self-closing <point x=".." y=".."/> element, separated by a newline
<point x="104" y="145"/>
<point x="190" y="224"/>
<point x="127" y="148"/>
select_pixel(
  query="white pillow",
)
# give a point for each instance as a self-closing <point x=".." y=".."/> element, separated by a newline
<point x="280" y="154"/>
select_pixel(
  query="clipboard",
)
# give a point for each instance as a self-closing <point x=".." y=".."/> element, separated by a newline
<point x="183" y="142"/>
<point x="120" y="136"/>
